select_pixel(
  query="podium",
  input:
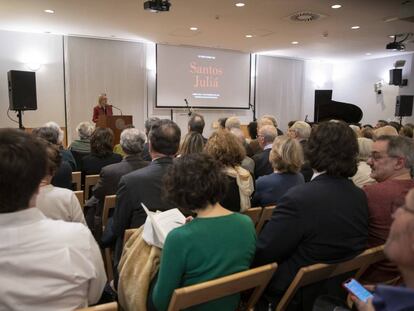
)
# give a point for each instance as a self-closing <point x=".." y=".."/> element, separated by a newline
<point x="116" y="123"/>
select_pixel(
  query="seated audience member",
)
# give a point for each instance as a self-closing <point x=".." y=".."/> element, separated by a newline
<point x="253" y="146"/>
<point x="301" y="131"/>
<point x="216" y="243"/>
<point x="391" y="160"/>
<point x="291" y="123"/>
<point x="363" y="175"/>
<point x="385" y="130"/>
<point x="232" y="122"/>
<point x="196" y="124"/>
<point x="367" y="132"/>
<point x="82" y="146"/>
<point x="381" y="123"/>
<point x="267" y="117"/>
<point x="286" y="158"/>
<point x="66" y="154"/>
<point x="193" y="142"/>
<point x="148" y="123"/>
<point x="247" y="162"/>
<point x="356" y="129"/>
<point x="132" y="142"/>
<point x="222" y="123"/>
<point x="395" y="125"/>
<point x="399" y="248"/>
<point x="406" y="131"/>
<point x="145" y="185"/>
<point x="262" y="166"/>
<point x="101" y="153"/>
<point x="45" y="264"/>
<point x="323" y="221"/>
<point x="118" y="148"/>
<point x="54" y="202"/>
<point x="63" y="175"/>
<point x="225" y="148"/>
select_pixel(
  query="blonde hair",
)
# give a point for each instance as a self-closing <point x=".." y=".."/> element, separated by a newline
<point x="232" y="122"/>
<point x="302" y="129"/>
<point x="286" y="155"/>
<point x="225" y="148"/>
<point x="101" y="98"/>
<point x="385" y="130"/>
<point x="364" y="147"/>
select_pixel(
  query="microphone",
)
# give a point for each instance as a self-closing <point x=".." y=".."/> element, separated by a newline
<point x="306" y="118"/>
<point x="116" y="108"/>
<point x="190" y="111"/>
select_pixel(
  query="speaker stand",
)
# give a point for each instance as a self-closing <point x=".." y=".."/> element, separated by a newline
<point x="20" y="116"/>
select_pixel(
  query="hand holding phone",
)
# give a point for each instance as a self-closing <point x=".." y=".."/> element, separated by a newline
<point x="356" y="289"/>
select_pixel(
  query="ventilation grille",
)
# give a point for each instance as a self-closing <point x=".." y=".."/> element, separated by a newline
<point x="305" y="17"/>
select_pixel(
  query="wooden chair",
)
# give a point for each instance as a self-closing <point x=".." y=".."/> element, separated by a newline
<point x="254" y="213"/>
<point x="90" y="181"/>
<point x="109" y="204"/>
<point x="256" y="278"/>
<point x="112" y="306"/>
<point x="266" y="214"/>
<point x="81" y="198"/>
<point x="76" y="179"/>
<point x="319" y="272"/>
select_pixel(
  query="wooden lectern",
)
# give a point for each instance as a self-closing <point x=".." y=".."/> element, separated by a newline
<point x="115" y="123"/>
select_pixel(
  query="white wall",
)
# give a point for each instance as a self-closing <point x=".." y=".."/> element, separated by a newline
<point x="16" y="49"/>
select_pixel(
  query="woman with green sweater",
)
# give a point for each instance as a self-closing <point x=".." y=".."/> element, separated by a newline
<point x="216" y="243"/>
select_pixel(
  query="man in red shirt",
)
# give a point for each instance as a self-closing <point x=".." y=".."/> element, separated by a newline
<point x="391" y="161"/>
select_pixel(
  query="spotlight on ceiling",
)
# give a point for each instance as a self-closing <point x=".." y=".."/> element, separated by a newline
<point x="398" y="45"/>
<point x="156" y="6"/>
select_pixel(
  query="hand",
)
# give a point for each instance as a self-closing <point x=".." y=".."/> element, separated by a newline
<point x="363" y="306"/>
<point x="188" y="219"/>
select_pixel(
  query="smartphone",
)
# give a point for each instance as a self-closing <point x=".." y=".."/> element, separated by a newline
<point x="356" y="289"/>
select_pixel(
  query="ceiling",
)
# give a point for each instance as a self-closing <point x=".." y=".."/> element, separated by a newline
<point x="223" y="25"/>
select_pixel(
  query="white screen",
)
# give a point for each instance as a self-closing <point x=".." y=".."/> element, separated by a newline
<point x="207" y="78"/>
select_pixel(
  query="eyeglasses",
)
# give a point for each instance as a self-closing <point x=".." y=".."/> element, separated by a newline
<point x="378" y="156"/>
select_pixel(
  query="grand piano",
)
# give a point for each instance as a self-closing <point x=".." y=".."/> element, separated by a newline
<point x="328" y="109"/>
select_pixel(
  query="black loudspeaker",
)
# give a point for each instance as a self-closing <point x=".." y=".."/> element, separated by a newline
<point x="395" y="76"/>
<point x="22" y="90"/>
<point x="404" y="106"/>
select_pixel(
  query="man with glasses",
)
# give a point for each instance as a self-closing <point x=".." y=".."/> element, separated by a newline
<point x="391" y="161"/>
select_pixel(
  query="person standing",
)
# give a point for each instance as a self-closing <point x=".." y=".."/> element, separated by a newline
<point x="102" y="108"/>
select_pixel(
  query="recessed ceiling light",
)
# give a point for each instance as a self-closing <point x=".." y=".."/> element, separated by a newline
<point x="336" y="6"/>
<point x="248" y="36"/>
<point x="355" y="27"/>
<point x="193" y="28"/>
<point x="295" y="42"/>
<point x="368" y="54"/>
<point x="49" y="11"/>
<point x="240" y="4"/>
<point x="392" y="36"/>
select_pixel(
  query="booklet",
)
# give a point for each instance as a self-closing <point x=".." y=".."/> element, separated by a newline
<point x="159" y="224"/>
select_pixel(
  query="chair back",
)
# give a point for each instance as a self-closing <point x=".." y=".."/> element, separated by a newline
<point x="90" y="181"/>
<point x="109" y="204"/>
<point x="256" y="278"/>
<point x="80" y="196"/>
<point x="112" y="306"/>
<point x="76" y="180"/>
<point x="266" y="214"/>
<point x="319" y="272"/>
<point x="254" y="213"/>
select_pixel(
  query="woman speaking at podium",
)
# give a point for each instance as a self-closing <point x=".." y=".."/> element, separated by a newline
<point x="102" y="108"/>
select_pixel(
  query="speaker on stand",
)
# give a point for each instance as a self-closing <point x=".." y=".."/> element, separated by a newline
<point x="404" y="106"/>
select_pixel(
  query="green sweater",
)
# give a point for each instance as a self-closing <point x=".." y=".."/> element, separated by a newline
<point x="202" y="250"/>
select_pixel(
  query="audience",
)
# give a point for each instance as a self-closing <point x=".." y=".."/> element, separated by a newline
<point x="264" y="120"/>
<point x="232" y="122"/>
<point x="367" y="132"/>
<point x="216" y="243"/>
<point x="262" y="166"/>
<point x="395" y="125"/>
<point x="45" y="264"/>
<point x="406" y="131"/>
<point x="253" y="146"/>
<point x="193" y="142"/>
<point x="225" y="148"/>
<point x="325" y="220"/>
<point x="381" y="123"/>
<point x="300" y="130"/>
<point x="54" y="202"/>
<point x="385" y="130"/>
<point x="196" y="124"/>
<point x="82" y="146"/>
<point x="391" y="161"/>
<point x="247" y="162"/>
<point x="286" y="158"/>
<point x="148" y="124"/>
<point x="363" y="175"/>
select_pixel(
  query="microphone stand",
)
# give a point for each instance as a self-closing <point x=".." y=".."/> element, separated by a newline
<point x="189" y="108"/>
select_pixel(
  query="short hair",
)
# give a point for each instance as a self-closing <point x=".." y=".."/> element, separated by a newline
<point x="367" y="132"/>
<point x="271" y="118"/>
<point x="286" y="155"/>
<point x="387" y="130"/>
<point x="364" y="148"/>
<point x="302" y="129"/>
<point x="149" y="122"/>
<point x="290" y="123"/>
<point x="399" y="146"/>
<point x="239" y="134"/>
<point x="333" y="147"/>
<point x="222" y="122"/>
<point x="85" y="130"/>
<point x="252" y="128"/>
<point x="46" y="133"/>
<point x="58" y="130"/>
<point x="132" y="141"/>
<point x="268" y="132"/>
<point x="165" y="136"/>
<point x="193" y="142"/>
<point x="232" y="122"/>
<point x="356" y="129"/>
<point x="102" y="140"/>
<point x="407" y="131"/>
<point x="382" y="122"/>
<point x="367" y="125"/>
<point x="196" y="123"/>
<point x="54" y="158"/>
<point x="264" y="121"/>
<point x="22" y="167"/>
<point x="194" y="181"/>
<point x="395" y="125"/>
<point x="225" y="148"/>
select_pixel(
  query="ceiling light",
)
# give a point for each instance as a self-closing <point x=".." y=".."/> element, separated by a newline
<point x="355" y="27"/>
<point x="248" y="36"/>
<point x="49" y="11"/>
<point x="193" y="28"/>
<point x="295" y="42"/>
<point x="336" y="6"/>
<point x="240" y="4"/>
<point x="368" y="54"/>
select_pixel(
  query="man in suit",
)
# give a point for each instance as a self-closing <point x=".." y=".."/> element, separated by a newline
<point x="145" y="185"/>
<point x="196" y="124"/>
<point x="301" y="130"/>
<point x="325" y="220"/>
<point x="266" y="136"/>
